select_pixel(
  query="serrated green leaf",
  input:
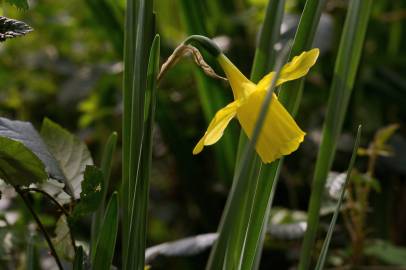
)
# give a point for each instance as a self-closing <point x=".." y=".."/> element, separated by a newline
<point x="92" y="192"/>
<point x="72" y="154"/>
<point x="19" y="165"/>
<point x="23" y="4"/>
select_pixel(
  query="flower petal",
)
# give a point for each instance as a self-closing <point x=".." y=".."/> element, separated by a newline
<point x="217" y="126"/>
<point x="240" y="85"/>
<point x="280" y="135"/>
<point x="298" y="67"/>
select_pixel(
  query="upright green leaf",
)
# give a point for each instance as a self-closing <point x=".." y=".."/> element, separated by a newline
<point x="346" y="67"/>
<point x="138" y="224"/>
<point x="139" y="32"/>
<point x="106" y="164"/>
<point x="32" y="254"/>
<point x="229" y="252"/>
<point x="258" y="195"/>
<point x="106" y="13"/>
<point x="78" y="262"/>
<point x="264" y="185"/>
<point x="210" y="93"/>
<point x="326" y="244"/>
<point x="106" y="240"/>
<point x="71" y="154"/>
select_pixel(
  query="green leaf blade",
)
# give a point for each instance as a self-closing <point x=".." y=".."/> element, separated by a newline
<point x="91" y="194"/>
<point x="71" y="154"/>
<point x="346" y="67"/>
<point x="106" y="242"/>
<point x="19" y="165"/>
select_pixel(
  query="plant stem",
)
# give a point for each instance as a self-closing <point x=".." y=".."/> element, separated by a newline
<point x="67" y="215"/>
<point x="38" y="221"/>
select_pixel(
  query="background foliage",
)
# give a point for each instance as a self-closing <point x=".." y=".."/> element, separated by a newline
<point x="69" y="69"/>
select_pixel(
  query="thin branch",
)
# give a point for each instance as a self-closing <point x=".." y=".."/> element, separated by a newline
<point x="66" y="213"/>
<point x="38" y="221"/>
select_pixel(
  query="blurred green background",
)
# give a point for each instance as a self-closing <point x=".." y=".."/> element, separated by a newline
<point x="70" y="70"/>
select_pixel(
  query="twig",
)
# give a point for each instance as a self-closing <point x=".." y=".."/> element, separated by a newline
<point x="67" y="215"/>
<point x="38" y="221"/>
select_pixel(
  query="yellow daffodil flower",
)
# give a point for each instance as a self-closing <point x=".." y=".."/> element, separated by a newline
<point x="280" y="135"/>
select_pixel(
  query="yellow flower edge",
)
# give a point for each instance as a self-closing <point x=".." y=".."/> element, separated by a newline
<point x="280" y="135"/>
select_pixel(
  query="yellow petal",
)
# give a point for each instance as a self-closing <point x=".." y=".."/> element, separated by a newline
<point x="217" y="126"/>
<point x="240" y="85"/>
<point x="280" y="135"/>
<point x="298" y="67"/>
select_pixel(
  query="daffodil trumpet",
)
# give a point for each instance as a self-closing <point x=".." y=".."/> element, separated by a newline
<point x="280" y="134"/>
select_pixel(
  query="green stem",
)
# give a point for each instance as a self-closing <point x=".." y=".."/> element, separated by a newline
<point x="39" y="223"/>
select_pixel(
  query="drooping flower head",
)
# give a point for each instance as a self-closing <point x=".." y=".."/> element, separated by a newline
<point x="280" y="134"/>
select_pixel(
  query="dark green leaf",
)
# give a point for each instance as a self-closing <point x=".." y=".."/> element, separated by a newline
<point x="106" y="242"/>
<point x="106" y="164"/>
<point x="23" y="4"/>
<point x="18" y="165"/>
<point x="25" y="133"/>
<point x="78" y="262"/>
<point x="32" y="254"/>
<point x="92" y="192"/>
<point x="346" y="66"/>
<point x="71" y="154"/>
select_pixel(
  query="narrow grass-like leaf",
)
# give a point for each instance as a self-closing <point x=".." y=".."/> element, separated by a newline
<point x="210" y="93"/>
<point x="78" y="262"/>
<point x="139" y="32"/>
<point x="227" y="252"/>
<point x="106" y="164"/>
<point x="262" y="189"/>
<point x="269" y="35"/>
<point x="32" y="254"/>
<point x="106" y="241"/>
<point x="265" y="185"/>
<point x="139" y="199"/>
<point x="346" y="66"/>
<point x="109" y="17"/>
<point x="326" y="244"/>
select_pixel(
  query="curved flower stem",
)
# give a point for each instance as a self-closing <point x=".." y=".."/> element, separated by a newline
<point x="66" y="213"/>
<point x="38" y="221"/>
<point x="209" y="45"/>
